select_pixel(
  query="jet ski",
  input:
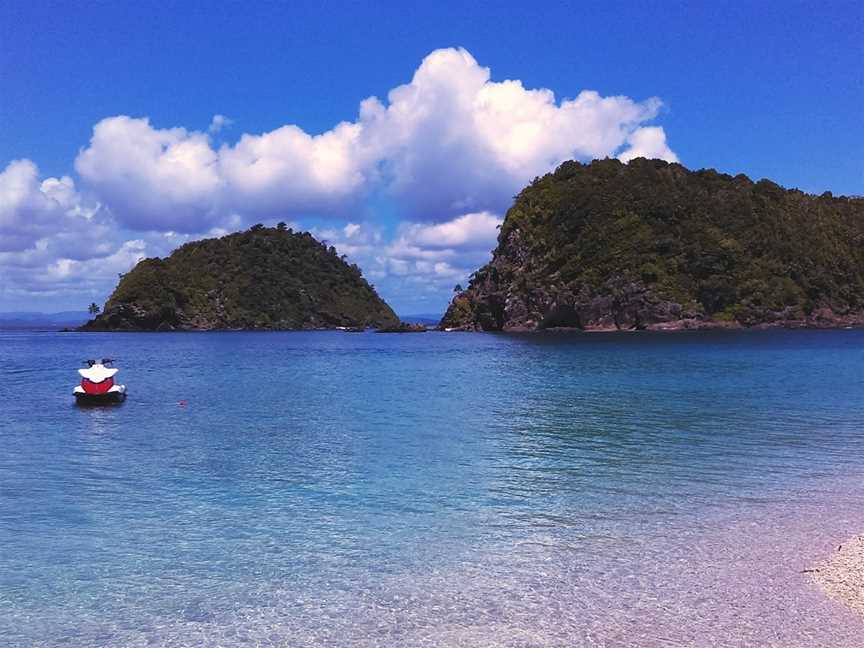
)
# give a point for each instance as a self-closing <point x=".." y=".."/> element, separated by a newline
<point x="97" y="384"/>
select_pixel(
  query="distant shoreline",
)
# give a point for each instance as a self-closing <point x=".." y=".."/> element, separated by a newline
<point x="433" y="329"/>
<point x="673" y="328"/>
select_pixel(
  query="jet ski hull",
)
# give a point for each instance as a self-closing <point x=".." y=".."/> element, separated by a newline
<point x="101" y="399"/>
<point x="112" y="397"/>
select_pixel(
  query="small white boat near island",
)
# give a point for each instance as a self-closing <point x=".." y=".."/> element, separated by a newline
<point x="97" y="384"/>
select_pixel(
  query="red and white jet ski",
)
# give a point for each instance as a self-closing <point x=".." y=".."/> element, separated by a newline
<point x="97" y="384"/>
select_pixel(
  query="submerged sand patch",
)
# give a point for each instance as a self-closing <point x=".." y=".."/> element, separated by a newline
<point x="842" y="575"/>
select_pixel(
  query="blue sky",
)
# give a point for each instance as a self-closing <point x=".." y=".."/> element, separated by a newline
<point x="768" y="89"/>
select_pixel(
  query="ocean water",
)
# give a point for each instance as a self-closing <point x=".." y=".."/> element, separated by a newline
<point x="336" y="489"/>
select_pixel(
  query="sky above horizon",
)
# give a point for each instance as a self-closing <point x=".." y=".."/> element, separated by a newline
<point x="397" y="133"/>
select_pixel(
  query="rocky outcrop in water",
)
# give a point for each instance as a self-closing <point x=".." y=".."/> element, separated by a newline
<point x="264" y="278"/>
<point x="651" y="245"/>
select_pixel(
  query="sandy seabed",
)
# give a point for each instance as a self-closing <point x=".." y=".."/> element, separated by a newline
<point x="740" y="577"/>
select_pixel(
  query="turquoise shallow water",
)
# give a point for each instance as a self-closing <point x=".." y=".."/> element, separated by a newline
<point x="337" y="489"/>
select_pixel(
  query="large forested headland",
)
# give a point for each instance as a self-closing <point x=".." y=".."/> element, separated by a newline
<point x="263" y="278"/>
<point x="652" y="245"/>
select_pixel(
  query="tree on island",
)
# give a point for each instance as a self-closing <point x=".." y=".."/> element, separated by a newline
<point x="93" y="309"/>
<point x="457" y="288"/>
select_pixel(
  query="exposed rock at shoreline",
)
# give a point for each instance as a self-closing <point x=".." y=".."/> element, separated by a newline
<point x="651" y="245"/>
<point x="264" y="278"/>
<point x="842" y="575"/>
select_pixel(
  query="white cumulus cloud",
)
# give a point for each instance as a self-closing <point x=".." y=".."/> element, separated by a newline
<point x="26" y="208"/>
<point x="470" y="231"/>
<point x="452" y="140"/>
<point x="31" y="209"/>
<point x="445" y="152"/>
<point x="166" y="179"/>
<point x="287" y="170"/>
<point x="648" y="142"/>
<point x="449" y="142"/>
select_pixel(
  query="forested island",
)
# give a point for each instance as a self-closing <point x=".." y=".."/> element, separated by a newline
<point x="599" y="246"/>
<point x="651" y="245"/>
<point x="263" y="278"/>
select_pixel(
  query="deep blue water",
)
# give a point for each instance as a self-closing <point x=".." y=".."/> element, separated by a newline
<point x="310" y="477"/>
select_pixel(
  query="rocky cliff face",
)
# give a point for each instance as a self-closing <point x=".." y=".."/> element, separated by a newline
<point x="259" y="279"/>
<point x="651" y="245"/>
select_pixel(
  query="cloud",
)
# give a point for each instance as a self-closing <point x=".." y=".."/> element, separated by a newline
<point x="218" y="123"/>
<point x="351" y="230"/>
<point x="648" y="142"/>
<point x="422" y="261"/>
<point x="444" y="152"/>
<point x="27" y="207"/>
<point x="94" y="271"/>
<point x="54" y="241"/>
<point x="287" y="170"/>
<point x="39" y="276"/>
<point x="450" y="141"/>
<point x="153" y="179"/>
<point x="31" y="209"/>
<point x="470" y="231"/>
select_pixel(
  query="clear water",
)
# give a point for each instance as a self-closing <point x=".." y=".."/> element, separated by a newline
<point x="334" y="489"/>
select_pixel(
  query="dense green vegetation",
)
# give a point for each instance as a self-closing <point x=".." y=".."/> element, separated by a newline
<point x="261" y="278"/>
<point x="721" y="247"/>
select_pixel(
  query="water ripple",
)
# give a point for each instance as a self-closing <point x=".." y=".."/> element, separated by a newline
<point x="324" y="489"/>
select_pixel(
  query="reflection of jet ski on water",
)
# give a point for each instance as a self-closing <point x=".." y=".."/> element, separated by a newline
<point x="97" y="384"/>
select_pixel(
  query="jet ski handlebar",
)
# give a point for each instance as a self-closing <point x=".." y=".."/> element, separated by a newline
<point x="103" y="361"/>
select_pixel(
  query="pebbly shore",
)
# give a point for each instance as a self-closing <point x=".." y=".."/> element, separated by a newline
<point x="841" y="576"/>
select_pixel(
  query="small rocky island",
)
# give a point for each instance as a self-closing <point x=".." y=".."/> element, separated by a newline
<point x="263" y="278"/>
<point x="651" y="245"/>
